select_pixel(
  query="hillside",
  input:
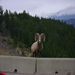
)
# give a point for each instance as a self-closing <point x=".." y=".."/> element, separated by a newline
<point x="8" y="47"/>
<point x="60" y="38"/>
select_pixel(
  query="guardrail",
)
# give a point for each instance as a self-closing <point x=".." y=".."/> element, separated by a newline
<point x="39" y="66"/>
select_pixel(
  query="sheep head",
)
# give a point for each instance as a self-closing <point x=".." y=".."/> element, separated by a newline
<point x="40" y="37"/>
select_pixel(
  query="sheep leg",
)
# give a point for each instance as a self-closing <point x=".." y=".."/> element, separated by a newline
<point x="35" y="54"/>
<point x="39" y="53"/>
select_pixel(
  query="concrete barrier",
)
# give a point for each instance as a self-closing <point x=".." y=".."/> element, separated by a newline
<point x="56" y="66"/>
<point x="38" y="66"/>
<point x="21" y="64"/>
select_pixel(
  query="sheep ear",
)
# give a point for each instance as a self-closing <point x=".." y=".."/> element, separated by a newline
<point x="43" y="36"/>
<point x="36" y="36"/>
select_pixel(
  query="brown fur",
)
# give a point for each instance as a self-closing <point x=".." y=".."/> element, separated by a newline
<point x="38" y="44"/>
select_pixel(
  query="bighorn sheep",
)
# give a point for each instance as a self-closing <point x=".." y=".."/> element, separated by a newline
<point x="38" y="44"/>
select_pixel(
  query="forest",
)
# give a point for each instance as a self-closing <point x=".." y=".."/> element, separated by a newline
<point x="60" y="37"/>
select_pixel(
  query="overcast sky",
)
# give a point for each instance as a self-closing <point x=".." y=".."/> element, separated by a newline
<point x="37" y="7"/>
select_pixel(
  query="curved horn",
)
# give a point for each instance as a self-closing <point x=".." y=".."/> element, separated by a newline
<point x="36" y="36"/>
<point x="43" y="37"/>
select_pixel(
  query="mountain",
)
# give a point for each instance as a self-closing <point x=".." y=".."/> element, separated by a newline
<point x="71" y="22"/>
<point x="67" y="15"/>
<point x="21" y="29"/>
<point x="67" y="12"/>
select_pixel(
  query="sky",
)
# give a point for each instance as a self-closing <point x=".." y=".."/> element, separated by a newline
<point x="41" y="8"/>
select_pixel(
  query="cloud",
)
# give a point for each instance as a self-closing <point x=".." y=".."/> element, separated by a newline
<point x="37" y="7"/>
